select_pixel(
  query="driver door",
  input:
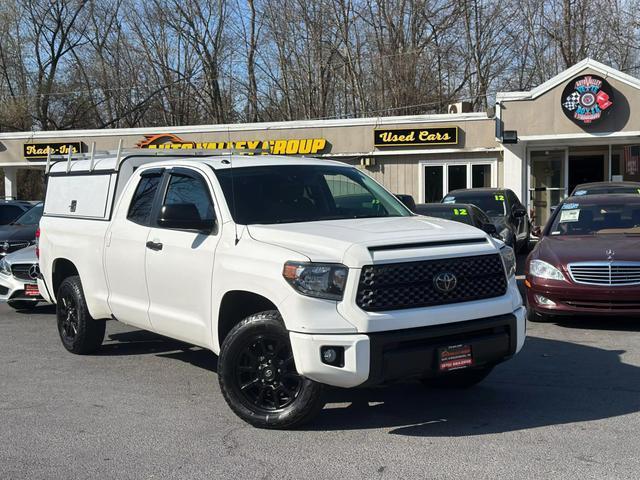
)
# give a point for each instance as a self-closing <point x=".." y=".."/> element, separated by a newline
<point x="179" y="263"/>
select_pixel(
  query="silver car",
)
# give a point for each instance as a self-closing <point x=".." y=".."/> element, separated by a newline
<point x="18" y="279"/>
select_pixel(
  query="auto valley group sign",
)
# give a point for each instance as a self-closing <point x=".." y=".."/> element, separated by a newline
<point x="587" y="99"/>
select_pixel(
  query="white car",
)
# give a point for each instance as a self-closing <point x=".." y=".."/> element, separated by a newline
<point x="297" y="272"/>
<point x="18" y="279"/>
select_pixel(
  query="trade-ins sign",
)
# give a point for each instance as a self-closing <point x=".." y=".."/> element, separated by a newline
<point x="41" y="150"/>
<point x="587" y="99"/>
<point x="415" y="136"/>
<point x="296" y="146"/>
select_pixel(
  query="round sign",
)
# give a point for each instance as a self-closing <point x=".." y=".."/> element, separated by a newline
<point x="587" y="99"/>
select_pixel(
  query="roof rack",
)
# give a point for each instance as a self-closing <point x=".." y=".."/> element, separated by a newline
<point x="121" y="154"/>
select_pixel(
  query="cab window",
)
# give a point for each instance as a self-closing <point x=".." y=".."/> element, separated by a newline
<point x="184" y="188"/>
<point x="142" y="200"/>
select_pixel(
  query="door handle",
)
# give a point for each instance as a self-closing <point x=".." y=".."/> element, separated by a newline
<point x="154" y="246"/>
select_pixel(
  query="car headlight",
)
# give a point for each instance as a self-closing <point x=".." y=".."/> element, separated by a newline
<point x="5" y="267"/>
<point x="505" y="234"/>
<point x="541" y="269"/>
<point x="509" y="260"/>
<point x="320" y="280"/>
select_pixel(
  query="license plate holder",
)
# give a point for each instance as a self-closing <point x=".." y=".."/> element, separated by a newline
<point x="455" y="357"/>
<point x="31" y="290"/>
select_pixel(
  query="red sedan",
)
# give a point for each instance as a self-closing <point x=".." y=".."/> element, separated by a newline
<point x="588" y="259"/>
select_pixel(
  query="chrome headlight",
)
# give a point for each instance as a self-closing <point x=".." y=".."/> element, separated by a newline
<point x="5" y="267"/>
<point x="320" y="280"/>
<point x="541" y="269"/>
<point x="505" y="234"/>
<point x="509" y="260"/>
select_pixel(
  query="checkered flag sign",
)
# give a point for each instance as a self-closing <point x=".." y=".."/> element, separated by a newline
<point x="572" y="101"/>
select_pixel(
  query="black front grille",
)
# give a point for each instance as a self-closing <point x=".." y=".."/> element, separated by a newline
<point x="21" y="271"/>
<point x="412" y="284"/>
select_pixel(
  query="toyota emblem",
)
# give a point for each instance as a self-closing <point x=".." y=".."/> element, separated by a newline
<point x="445" y="282"/>
<point x="34" y="272"/>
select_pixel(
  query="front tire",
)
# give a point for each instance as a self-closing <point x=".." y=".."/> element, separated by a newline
<point x="461" y="379"/>
<point x="80" y="334"/>
<point x="258" y="377"/>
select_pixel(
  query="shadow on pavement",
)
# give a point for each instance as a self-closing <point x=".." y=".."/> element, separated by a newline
<point x="549" y="383"/>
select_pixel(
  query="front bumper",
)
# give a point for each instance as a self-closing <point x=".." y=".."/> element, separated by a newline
<point x="380" y="357"/>
<point x="580" y="299"/>
<point x="12" y="288"/>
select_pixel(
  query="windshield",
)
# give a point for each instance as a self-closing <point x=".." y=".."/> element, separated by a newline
<point x="492" y="203"/>
<point x="31" y="217"/>
<point x="606" y="190"/>
<point x="592" y="219"/>
<point x="304" y="193"/>
<point x="448" y="213"/>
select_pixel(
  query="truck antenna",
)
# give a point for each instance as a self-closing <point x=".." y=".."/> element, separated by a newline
<point x="233" y="186"/>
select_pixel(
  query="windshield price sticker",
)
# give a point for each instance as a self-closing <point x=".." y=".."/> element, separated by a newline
<point x="570" y="215"/>
<point x="449" y="200"/>
<point x="460" y="211"/>
<point x="570" y="206"/>
<point x="499" y="197"/>
<point x="579" y="193"/>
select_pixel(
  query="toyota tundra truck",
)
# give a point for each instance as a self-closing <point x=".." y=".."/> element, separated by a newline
<point x="298" y="273"/>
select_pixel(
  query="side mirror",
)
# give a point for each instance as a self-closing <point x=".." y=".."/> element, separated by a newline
<point x="184" y="216"/>
<point x="407" y="200"/>
<point x="519" y="213"/>
<point x="490" y="228"/>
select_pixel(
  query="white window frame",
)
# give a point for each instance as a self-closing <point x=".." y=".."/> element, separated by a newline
<point x="493" y="162"/>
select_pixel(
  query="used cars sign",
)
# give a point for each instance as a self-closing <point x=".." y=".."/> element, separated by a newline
<point x="416" y="136"/>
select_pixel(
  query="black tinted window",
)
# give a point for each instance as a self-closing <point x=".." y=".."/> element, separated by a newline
<point x="142" y="201"/>
<point x="8" y="213"/>
<point x="186" y="189"/>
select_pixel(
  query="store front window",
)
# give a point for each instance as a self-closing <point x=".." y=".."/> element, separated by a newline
<point x="442" y="177"/>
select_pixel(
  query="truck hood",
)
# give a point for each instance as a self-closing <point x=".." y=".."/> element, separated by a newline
<point x="356" y="242"/>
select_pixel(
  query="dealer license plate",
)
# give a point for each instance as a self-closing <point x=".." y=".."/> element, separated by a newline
<point x="455" y="357"/>
<point x="31" y="291"/>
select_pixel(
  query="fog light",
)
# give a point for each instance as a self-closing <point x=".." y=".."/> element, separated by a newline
<point x="333" y="356"/>
<point x="540" y="300"/>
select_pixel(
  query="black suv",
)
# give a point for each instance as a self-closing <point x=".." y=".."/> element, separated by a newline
<point x="504" y="209"/>
<point x="21" y="232"/>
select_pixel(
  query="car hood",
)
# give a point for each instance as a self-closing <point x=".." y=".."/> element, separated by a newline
<point x="562" y="250"/>
<point x="356" y="242"/>
<point x="24" y="255"/>
<point x="18" y="232"/>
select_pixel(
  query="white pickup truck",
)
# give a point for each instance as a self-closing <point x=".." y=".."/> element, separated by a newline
<point x="296" y="272"/>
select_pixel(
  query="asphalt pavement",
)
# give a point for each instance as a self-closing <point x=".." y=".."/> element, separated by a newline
<point x="148" y="407"/>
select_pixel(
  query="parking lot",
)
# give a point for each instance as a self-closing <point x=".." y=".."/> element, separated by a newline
<point x="149" y="407"/>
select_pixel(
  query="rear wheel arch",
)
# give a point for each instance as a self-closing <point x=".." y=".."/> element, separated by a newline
<point x="62" y="268"/>
<point x="236" y="305"/>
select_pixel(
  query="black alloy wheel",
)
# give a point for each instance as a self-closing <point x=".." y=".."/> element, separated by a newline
<point x="258" y="376"/>
<point x="79" y="332"/>
<point x="266" y="375"/>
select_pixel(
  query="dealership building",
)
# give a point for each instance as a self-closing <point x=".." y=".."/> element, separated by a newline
<point x="578" y="126"/>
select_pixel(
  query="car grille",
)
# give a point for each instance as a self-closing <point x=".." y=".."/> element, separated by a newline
<point x="604" y="304"/>
<point x="412" y="284"/>
<point x="21" y="271"/>
<point x="607" y="274"/>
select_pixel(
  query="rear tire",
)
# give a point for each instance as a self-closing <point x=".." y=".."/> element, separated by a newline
<point x="80" y="334"/>
<point x="466" y="378"/>
<point x="258" y="377"/>
<point x="22" y="304"/>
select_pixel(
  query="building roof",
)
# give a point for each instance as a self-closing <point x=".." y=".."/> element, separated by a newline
<point x="238" y="127"/>
<point x="566" y="75"/>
